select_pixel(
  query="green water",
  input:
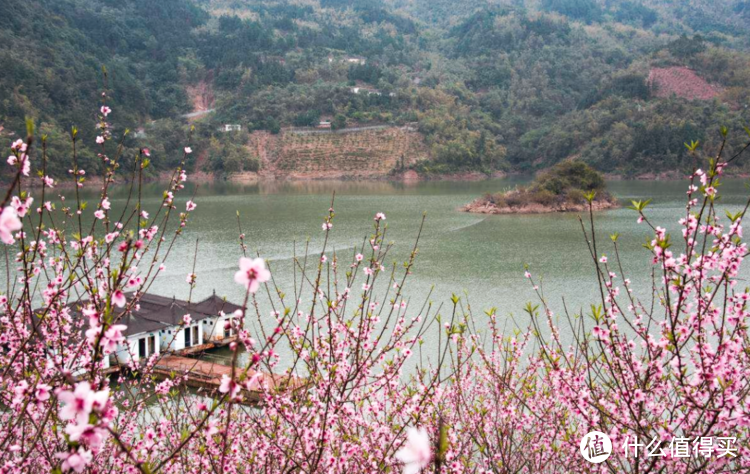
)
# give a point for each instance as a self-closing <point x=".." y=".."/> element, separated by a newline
<point x="475" y="256"/>
<point x="479" y="258"/>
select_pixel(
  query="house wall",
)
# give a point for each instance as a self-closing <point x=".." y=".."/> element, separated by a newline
<point x="213" y="328"/>
<point x="122" y="355"/>
<point x="130" y="348"/>
<point x="76" y="369"/>
<point x="168" y="339"/>
<point x="173" y="343"/>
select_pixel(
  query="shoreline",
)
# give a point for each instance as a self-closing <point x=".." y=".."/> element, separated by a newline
<point x="483" y="206"/>
<point x="410" y="176"/>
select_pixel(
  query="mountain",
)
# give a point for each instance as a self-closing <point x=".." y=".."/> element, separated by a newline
<point x="513" y="85"/>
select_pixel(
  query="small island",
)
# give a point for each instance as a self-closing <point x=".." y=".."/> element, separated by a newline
<point x="562" y="188"/>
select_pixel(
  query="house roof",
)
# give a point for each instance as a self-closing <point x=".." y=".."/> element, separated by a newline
<point x="159" y="312"/>
<point x="213" y="305"/>
<point x="135" y="323"/>
<point x="138" y="325"/>
<point x="168" y="311"/>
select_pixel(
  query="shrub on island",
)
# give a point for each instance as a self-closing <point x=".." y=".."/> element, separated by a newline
<point x="568" y="186"/>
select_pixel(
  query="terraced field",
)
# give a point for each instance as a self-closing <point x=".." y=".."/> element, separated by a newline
<point x="682" y="82"/>
<point x="363" y="154"/>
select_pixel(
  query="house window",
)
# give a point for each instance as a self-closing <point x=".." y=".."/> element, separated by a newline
<point x="146" y="346"/>
<point x="188" y="342"/>
<point x="196" y="335"/>
<point x="228" y="330"/>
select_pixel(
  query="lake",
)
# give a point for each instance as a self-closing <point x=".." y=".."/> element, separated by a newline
<point x="479" y="258"/>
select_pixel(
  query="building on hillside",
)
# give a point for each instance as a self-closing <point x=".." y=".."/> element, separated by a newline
<point x="356" y="60"/>
<point x="362" y="90"/>
<point x="231" y="127"/>
<point x="325" y="125"/>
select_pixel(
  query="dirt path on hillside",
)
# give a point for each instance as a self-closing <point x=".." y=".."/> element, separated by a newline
<point x="202" y="97"/>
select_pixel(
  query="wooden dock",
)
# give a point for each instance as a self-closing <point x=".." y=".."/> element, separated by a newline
<point x="196" y="349"/>
<point x="206" y="374"/>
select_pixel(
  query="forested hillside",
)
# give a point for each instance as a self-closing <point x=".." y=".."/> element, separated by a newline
<point x="52" y="53"/>
<point x="513" y="85"/>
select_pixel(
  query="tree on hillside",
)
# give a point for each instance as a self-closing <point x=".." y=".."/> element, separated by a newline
<point x="685" y="47"/>
<point x="586" y="10"/>
<point x="339" y="122"/>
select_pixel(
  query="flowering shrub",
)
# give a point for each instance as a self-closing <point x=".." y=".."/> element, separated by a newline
<point x="358" y="391"/>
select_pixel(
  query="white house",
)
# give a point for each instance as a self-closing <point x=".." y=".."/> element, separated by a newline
<point x="232" y="127"/>
<point x="160" y="324"/>
<point x="207" y="323"/>
<point x="350" y="60"/>
<point x="357" y="90"/>
<point x="175" y="334"/>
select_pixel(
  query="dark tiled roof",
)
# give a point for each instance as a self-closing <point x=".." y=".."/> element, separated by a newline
<point x="168" y="311"/>
<point x="159" y="312"/>
<point x="137" y="325"/>
<point x="213" y="305"/>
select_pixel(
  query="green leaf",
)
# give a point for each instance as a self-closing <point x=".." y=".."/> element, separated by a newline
<point x="640" y="205"/>
<point x="733" y="217"/>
